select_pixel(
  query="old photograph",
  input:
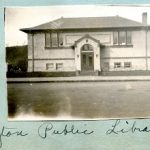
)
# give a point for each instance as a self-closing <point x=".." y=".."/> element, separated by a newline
<point x="81" y="62"/>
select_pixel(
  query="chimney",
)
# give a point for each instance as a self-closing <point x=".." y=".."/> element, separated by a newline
<point x="144" y="18"/>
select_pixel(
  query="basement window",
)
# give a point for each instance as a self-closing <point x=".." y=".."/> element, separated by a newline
<point x="117" y="65"/>
<point x="59" y="66"/>
<point x="49" y="66"/>
<point x="127" y="64"/>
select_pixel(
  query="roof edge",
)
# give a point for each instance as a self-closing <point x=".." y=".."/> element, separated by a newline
<point x="29" y="30"/>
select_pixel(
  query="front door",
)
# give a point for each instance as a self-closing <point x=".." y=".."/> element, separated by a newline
<point x="87" y="61"/>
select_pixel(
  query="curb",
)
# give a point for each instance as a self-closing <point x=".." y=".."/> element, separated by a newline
<point x="80" y="80"/>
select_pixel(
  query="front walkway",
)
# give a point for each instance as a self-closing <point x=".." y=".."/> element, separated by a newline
<point x="79" y="79"/>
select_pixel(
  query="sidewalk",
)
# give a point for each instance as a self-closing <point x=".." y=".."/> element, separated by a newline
<point x="79" y="79"/>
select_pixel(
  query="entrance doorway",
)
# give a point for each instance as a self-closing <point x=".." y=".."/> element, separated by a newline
<point x="87" y="58"/>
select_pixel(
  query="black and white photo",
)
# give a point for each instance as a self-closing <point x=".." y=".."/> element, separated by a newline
<point x="78" y="62"/>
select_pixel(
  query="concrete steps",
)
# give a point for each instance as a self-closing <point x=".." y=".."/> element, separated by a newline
<point x="89" y="73"/>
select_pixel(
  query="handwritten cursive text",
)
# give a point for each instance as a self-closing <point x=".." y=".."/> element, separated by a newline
<point x="127" y="127"/>
<point x="47" y="128"/>
<point x="8" y="132"/>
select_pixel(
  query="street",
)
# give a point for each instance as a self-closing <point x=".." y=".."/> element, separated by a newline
<point x="80" y="100"/>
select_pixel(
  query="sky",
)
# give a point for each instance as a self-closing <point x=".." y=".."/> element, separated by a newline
<point x="24" y="17"/>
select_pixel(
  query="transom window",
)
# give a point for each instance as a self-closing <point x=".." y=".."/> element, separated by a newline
<point x="53" y="39"/>
<point x="122" y="38"/>
<point x="87" y="47"/>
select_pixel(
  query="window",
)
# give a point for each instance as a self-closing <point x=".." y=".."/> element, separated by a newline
<point x="84" y="59"/>
<point x="128" y="37"/>
<point x="47" y="40"/>
<point x="59" y="66"/>
<point x="122" y="38"/>
<point x="90" y="60"/>
<point x="53" y="39"/>
<point x="115" y="35"/>
<point x="127" y="64"/>
<point x="60" y="39"/>
<point x="117" y="65"/>
<point x="87" y="47"/>
<point x="49" y="66"/>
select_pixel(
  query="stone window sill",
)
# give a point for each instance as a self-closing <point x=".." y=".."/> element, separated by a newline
<point x="52" y="48"/>
<point x="121" y="46"/>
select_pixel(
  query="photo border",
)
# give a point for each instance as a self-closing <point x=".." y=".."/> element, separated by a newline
<point x="99" y="140"/>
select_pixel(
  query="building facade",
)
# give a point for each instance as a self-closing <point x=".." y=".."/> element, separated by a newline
<point x="89" y="45"/>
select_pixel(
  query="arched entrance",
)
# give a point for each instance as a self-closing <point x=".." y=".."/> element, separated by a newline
<point x="87" y="58"/>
